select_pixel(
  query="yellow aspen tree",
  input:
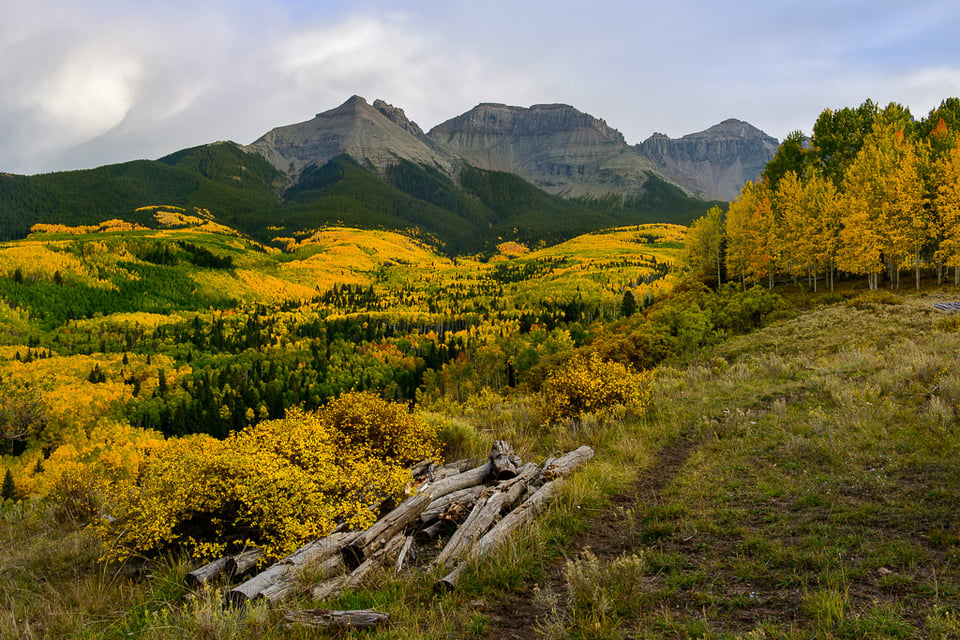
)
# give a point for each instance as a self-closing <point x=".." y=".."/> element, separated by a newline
<point x="704" y="244"/>
<point x="823" y="198"/>
<point x="764" y="229"/>
<point x="739" y="241"/>
<point x="860" y="234"/>
<point x="797" y="225"/>
<point x="909" y="210"/>
<point x="946" y="204"/>
<point x="884" y="193"/>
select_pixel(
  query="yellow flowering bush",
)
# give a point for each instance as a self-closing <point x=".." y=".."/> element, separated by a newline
<point x="590" y="384"/>
<point x="273" y="485"/>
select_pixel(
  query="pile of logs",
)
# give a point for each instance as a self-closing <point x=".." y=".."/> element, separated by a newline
<point x="478" y="503"/>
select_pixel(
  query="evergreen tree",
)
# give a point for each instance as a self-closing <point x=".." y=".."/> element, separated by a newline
<point x="628" y="306"/>
<point x="9" y="491"/>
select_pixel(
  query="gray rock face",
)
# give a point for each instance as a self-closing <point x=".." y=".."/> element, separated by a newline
<point x="375" y="137"/>
<point x="712" y="164"/>
<point x="554" y="146"/>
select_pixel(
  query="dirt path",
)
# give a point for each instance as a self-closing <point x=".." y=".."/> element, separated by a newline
<point x="605" y="538"/>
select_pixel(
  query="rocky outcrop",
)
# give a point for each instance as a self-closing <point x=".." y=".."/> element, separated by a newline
<point x="374" y="136"/>
<point x="712" y="164"/>
<point x="554" y="146"/>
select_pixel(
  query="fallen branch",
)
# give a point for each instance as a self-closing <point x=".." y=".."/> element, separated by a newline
<point x="567" y="463"/>
<point x="242" y="562"/>
<point x="229" y="566"/>
<point x="207" y="573"/>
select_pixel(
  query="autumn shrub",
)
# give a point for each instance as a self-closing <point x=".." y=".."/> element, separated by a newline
<point x="950" y="323"/>
<point x="871" y="300"/>
<point x="590" y="384"/>
<point x="78" y="495"/>
<point x="273" y="485"/>
<point x="387" y="429"/>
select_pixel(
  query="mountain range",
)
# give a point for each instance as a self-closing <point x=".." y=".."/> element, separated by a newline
<point x="537" y="174"/>
<point x="553" y="146"/>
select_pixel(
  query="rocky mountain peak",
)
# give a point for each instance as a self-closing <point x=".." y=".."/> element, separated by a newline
<point x="714" y="163"/>
<point x="375" y="136"/>
<point x="539" y="119"/>
<point x="554" y="146"/>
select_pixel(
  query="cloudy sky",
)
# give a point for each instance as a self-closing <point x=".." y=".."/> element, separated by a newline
<point x="90" y="82"/>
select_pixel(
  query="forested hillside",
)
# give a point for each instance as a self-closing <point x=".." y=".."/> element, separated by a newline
<point x="194" y="328"/>
<point x="470" y="215"/>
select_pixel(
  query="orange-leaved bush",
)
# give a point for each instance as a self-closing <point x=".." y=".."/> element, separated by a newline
<point x="273" y="485"/>
<point x="590" y="384"/>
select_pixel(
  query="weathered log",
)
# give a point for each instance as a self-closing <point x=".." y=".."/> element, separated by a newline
<point x="242" y="562"/>
<point x="384" y="529"/>
<point x="484" y="513"/>
<point x="523" y="514"/>
<point x="437" y="472"/>
<point x="336" y="585"/>
<point x="312" y="552"/>
<point x="326" y="618"/>
<point x="206" y="573"/>
<point x="567" y="463"/>
<point x="226" y="566"/>
<point x="462" y="480"/>
<point x="438" y="508"/>
<point x="504" y="461"/>
<point x="289" y="584"/>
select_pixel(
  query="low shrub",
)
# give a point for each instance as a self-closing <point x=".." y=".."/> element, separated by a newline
<point x="590" y="384"/>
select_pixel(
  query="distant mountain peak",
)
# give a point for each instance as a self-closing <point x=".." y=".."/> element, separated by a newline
<point x="555" y="146"/>
<point x="375" y="136"/>
<point x="714" y="163"/>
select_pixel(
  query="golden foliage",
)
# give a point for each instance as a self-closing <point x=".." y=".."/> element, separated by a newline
<point x="590" y="384"/>
<point x="273" y="485"/>
<point x="512" y="249"/>
<point x="106" y="226"/>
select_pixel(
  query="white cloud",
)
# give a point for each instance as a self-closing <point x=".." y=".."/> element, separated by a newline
<point x="89" y="93"/>
<point x="103" y="81"/>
